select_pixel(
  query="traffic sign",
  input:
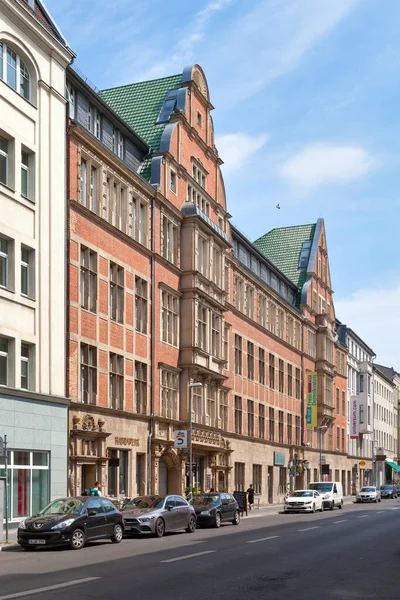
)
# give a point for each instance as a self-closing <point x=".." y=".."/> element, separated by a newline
<point x="180" y="438"/>
<point x="362" y="463"/>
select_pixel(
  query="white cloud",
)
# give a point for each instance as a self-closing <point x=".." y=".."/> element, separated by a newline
<point x="236" y="148"/>
<point x="320" y="164"/>
<point x="183" y="52"/>
<point x="374" y="315"/>
<point x="269" y="41"/>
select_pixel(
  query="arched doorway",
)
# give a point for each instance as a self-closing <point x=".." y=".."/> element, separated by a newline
<point x="162" y="477"/>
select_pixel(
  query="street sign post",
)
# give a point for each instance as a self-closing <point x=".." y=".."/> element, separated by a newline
<point x="180" y="438"/>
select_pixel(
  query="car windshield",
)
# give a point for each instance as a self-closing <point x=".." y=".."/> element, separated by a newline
<point x="368" y="489"/>
<point x="300" y="494"/>
<point x="70" y="506"/>
<point x="321" y="487"/>
<point x="387" y="487"/>
<point x="145" y="502"/>
<point x="205" y="500"/>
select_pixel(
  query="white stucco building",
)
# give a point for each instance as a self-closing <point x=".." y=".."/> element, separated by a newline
<point x="360" y="388"/>
<point x="33" y="406"/>
<point x="385" y="424"/>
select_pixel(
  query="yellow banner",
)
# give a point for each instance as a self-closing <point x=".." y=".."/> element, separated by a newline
<point x="311" y="391"/>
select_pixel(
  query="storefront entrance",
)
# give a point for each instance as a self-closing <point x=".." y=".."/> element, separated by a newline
<point x="162" y="477"/>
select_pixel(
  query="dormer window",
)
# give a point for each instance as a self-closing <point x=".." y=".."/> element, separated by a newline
<point x="14" y="71"/>
<point x="166" y="110"/>
<point x="304" y="254"/>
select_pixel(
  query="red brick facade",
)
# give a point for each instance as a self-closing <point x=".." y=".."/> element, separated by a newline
<point x="154" y="300"/>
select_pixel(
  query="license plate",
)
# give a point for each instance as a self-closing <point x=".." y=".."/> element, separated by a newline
<point x="37" y="542"/>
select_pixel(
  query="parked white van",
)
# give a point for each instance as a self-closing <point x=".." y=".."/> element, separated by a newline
<point x="331" y="492"/>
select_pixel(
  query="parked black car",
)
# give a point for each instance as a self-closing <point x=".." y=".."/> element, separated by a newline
<point x="72" y="522"/>
<point x="214" y="508"/>
<point x="389" y="491"/>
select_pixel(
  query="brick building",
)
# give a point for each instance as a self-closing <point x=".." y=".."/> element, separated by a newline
<point x="163" y="291"/>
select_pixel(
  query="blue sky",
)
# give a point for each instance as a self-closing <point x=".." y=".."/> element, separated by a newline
<point x="306" y="98"/>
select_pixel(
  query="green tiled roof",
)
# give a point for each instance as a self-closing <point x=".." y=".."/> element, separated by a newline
<point x="282" y="247"/>
<point x="139" y="105"/>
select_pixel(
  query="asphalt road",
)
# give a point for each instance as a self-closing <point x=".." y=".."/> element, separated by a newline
<point x="344" y="554"/>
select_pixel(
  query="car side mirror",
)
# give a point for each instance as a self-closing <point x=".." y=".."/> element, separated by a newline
<point x="225" y="501"/>
<point x="92" y="512"/>
<point x="169" y="506"/>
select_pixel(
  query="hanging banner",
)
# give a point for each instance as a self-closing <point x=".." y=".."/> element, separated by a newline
<point x="353" y="418"/>
<point x="311" y="390"/>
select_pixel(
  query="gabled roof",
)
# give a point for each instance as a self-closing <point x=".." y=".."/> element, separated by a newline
<point x="41" y="13"/>
<point x="282" y="246"/>
<point x="389" y="372"/>
<point x="139" y="104"/>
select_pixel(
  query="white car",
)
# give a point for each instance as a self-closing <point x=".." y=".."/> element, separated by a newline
<point x="369" y="494"/>
<point x="304" y="501"/>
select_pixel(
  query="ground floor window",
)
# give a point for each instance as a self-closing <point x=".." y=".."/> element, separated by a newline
<point x="28" y="482"/>
<point x="257" y="478"/>
<point x="239" y="476"/>
<point x="282" y="480"/>
<point x="118" y="462"/>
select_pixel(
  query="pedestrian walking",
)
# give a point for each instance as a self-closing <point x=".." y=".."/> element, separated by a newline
<point x="250" y="496"/>
<point x="95" y="490"/>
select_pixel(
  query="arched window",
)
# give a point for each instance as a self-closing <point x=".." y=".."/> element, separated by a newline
<point x="14" y="71"/>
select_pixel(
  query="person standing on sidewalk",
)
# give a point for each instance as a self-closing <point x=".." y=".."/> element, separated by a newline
<point x="250" y="496"/>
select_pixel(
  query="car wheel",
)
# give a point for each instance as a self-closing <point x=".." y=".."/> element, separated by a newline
<point x="379" y="500"/>
<point x="118" y="534"/>
<point x="313" y="508"/>
<point x="332" y="506"/>
<point x="160" y="528"/>
<point x="217" y="520"/>
<point x="236" y="519"/>
<point x="341" y="505"/>
<point x="191" y="528"/>
<point x="78" y="539"/>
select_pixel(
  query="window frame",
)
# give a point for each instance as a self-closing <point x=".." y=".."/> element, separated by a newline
<point x="5" y="154"/>
<point x="20" y="65"/>
<point x="116" y="381"/>
<point x="89" y="366"/>
<point x="141" y="304"/>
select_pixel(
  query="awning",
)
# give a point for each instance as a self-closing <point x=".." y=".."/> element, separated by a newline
<point x="393" y="465"/>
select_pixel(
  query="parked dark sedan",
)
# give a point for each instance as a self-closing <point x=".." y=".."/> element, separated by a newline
<point x="72" y="522"/>
<point x="389" y="491"/>
<point x="214" y="508"/>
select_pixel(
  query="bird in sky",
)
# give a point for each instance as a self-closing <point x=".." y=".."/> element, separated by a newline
<point x="278" y="207"/>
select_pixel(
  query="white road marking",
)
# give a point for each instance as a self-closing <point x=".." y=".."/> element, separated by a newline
<point x="48" y="588"/>
<point x="306" y="529"/>
<point x="171" y="560"/>
<point x="360" y="517"/>
<point x="395" y="508"/>
<point x="342" y="521"/>
<point x="271" y="537"/>
<point x="379" y="512"/>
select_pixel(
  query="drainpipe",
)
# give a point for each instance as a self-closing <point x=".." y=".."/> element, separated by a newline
<point x="152" y="349"/>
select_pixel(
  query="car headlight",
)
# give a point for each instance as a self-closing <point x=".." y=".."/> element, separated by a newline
<point x="286" y="502"/>
<point x="145" y="519"/>
<point x="22" y="524"/>
<point x="205" y="512"/>
<point x="63" y="524"/>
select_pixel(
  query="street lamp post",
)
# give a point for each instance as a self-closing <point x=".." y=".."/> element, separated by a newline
<point x="321" y="430"/>
<point x="191" y="387"/>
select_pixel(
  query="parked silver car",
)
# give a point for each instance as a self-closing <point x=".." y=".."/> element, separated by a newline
<point x="157" y="514"/>
<point x="369" y="494"/>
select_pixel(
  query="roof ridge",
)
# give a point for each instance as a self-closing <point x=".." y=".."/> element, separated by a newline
<point x="289" y="227"/>
<point x="127" y="85"/>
